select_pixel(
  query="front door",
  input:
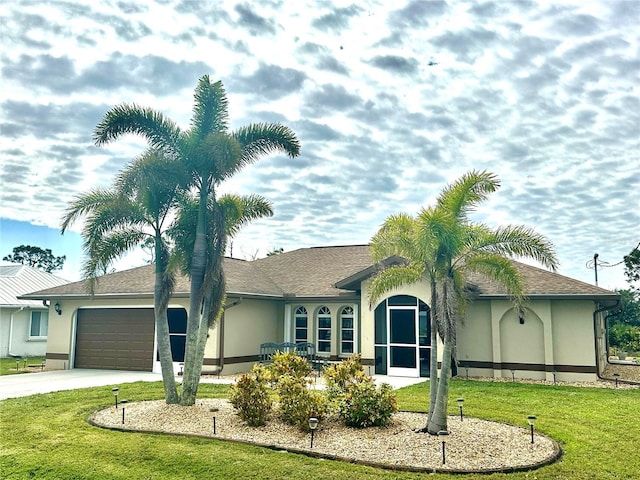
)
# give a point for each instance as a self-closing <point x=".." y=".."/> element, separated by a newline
<point x="403" y="345"/>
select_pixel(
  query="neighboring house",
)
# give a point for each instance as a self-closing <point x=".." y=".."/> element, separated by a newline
<point x="23" y="323"/>
<point x="320" y="295"/>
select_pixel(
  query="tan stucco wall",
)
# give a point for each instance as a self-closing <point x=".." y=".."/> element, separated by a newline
<point x="573" y="333"/>
<point x="474" y="336"/>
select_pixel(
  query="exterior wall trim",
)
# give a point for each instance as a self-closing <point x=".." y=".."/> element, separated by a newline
<point x="531" y="367"/>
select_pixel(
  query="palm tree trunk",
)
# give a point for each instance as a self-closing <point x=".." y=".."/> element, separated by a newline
<point x="191" y="377"/>
<point x="164" y="343"/>
<point x="438" y="420"/>
<point x="433" y="361"/>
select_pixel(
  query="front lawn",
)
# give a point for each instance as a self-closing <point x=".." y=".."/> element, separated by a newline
<point x="8" y="365"/>
<point x="47" y="437"/>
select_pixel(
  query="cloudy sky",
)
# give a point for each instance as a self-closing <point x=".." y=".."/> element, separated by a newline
<point x="390" y="100"/>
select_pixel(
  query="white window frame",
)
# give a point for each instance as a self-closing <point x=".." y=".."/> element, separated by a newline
<point x="323" y="313"/>
<point x="300" y="312"/>
<point x="42" y="315"/>
<point x="352" y="316"/>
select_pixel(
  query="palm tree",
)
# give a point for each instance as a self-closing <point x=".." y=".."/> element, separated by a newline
<point x="210" y="153"/>
<point x="443" y="244"/>
<point x="133" y="211"/>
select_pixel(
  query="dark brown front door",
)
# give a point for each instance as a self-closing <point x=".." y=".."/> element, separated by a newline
<point x="115" y="339"/>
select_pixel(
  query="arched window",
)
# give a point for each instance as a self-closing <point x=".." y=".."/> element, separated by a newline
<point x="347" y="331"/>
<point x="301" y="320"/>
<point x="324" y="330"/>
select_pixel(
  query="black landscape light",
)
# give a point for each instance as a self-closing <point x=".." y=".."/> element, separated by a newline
<point x="466" y="370"/>
<point x="460" y="403"/>
<point x="513" y="375"/>
<point x="443" y="435"/>
<point x="531" y="419"/>
<point x="313" y="424"/>
<point x="615" y="376"/>
<point x="122" y="402"/>
<point x="115" y="395"/>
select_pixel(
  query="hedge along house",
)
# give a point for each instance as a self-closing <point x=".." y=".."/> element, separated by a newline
<point x="320" y="295"/>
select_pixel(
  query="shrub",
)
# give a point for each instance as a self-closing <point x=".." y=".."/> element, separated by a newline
<point x="364" y="405"/>
<point x="298" y="403"/>
<point x="251" y="396"/>
<point x="289" y="364"/>
<point x="340" y="376"/>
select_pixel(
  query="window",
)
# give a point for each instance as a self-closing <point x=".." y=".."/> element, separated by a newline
<point x="39" y="325"/>
<point x="301" y="324"/>
<point x="324" y="330"/>
<point x="347" y="330"/>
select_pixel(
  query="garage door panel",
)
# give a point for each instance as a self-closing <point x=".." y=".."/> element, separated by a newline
<point x="118" y="338"/>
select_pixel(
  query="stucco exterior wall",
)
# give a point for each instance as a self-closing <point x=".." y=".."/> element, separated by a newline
<point x="474" y="338"/>
<point x="17" y="332"/>
<point x="246" y="326"/>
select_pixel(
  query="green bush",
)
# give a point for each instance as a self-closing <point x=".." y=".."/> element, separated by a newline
<point x="297" y="403"/>
<point x="364" y="405"/>
<point x="251" y="396"/>
<point x="340" y="376"/>
<point x="625" y="337"/>
<point x="288" y="364"/>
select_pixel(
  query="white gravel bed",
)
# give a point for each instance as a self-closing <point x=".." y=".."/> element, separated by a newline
<point x="472" y="445"/>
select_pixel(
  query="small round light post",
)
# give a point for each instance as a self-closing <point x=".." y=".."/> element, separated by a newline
<point x="466" y="371"/>
<point x="115" y="395"/>
<point x="443" y="435"/>
<point x="513" y="375"/>
<point x="531" y="419"/>
<point x="615" y="376"/>
<point x="313" y="424"/>
<point x="460" y="403"/>
<point x="122" y="402"/>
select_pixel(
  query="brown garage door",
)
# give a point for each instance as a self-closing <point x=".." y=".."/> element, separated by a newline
<point x="115" y="339"/>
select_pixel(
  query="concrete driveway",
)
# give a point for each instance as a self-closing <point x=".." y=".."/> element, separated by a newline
<point x="22" y="385"/>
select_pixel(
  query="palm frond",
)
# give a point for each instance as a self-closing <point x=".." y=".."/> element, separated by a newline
<point x="392" y="278"/>
<point x="395" y="237"/>
<point x="462" y="196"/>
<point x="161" y="132"/>
<point x="86" y="203"/>
<point x="500" y="270"/>
<point x="261" y="139"/>
<point x="210" y="108"/>
<point x="516" y="241"/>
<point x="241" y="210"/>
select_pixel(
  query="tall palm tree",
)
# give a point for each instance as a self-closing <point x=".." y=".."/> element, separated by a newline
<point x="225" y="219"/>
<point x="119" y="219"/>
<point x="210" y="153"/>
<point x="446" y="246"/>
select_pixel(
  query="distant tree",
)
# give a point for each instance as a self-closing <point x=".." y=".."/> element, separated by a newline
<point x="629" y="309"/>
<point x="36" y="257"/>
<point x="275" y="251"/>
<point x="632" y="267"/>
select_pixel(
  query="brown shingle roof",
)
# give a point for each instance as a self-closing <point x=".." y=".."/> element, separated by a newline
<point x="312" y="272"/>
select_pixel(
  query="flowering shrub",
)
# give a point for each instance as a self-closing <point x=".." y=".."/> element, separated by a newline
<point x="298" y="403"/>
<point x="251" y="396"/>
<point x="363" y="405"/>
<point x="288" y="364"/>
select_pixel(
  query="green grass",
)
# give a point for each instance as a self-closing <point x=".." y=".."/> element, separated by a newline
<point x="8" y="365"/>
<point x="47" y="437"/>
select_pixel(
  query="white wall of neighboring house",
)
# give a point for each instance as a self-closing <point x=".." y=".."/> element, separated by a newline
<point x="16" y="335"/>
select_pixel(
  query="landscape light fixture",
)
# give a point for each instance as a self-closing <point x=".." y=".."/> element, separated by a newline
<point x="443" y="435"/>
<point x="531" y="419"/>
<point x="313" y="424"/>
<point x="58" y="308"/>
<point x="513" y="375"/>
<point x="460" y="402"/>
<point x="466" y="371"/>
<point x="122" y="402"/>
<point x="214" y="425"/>
<point x="615" y="376"/>
<point x="115" y="395"/>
